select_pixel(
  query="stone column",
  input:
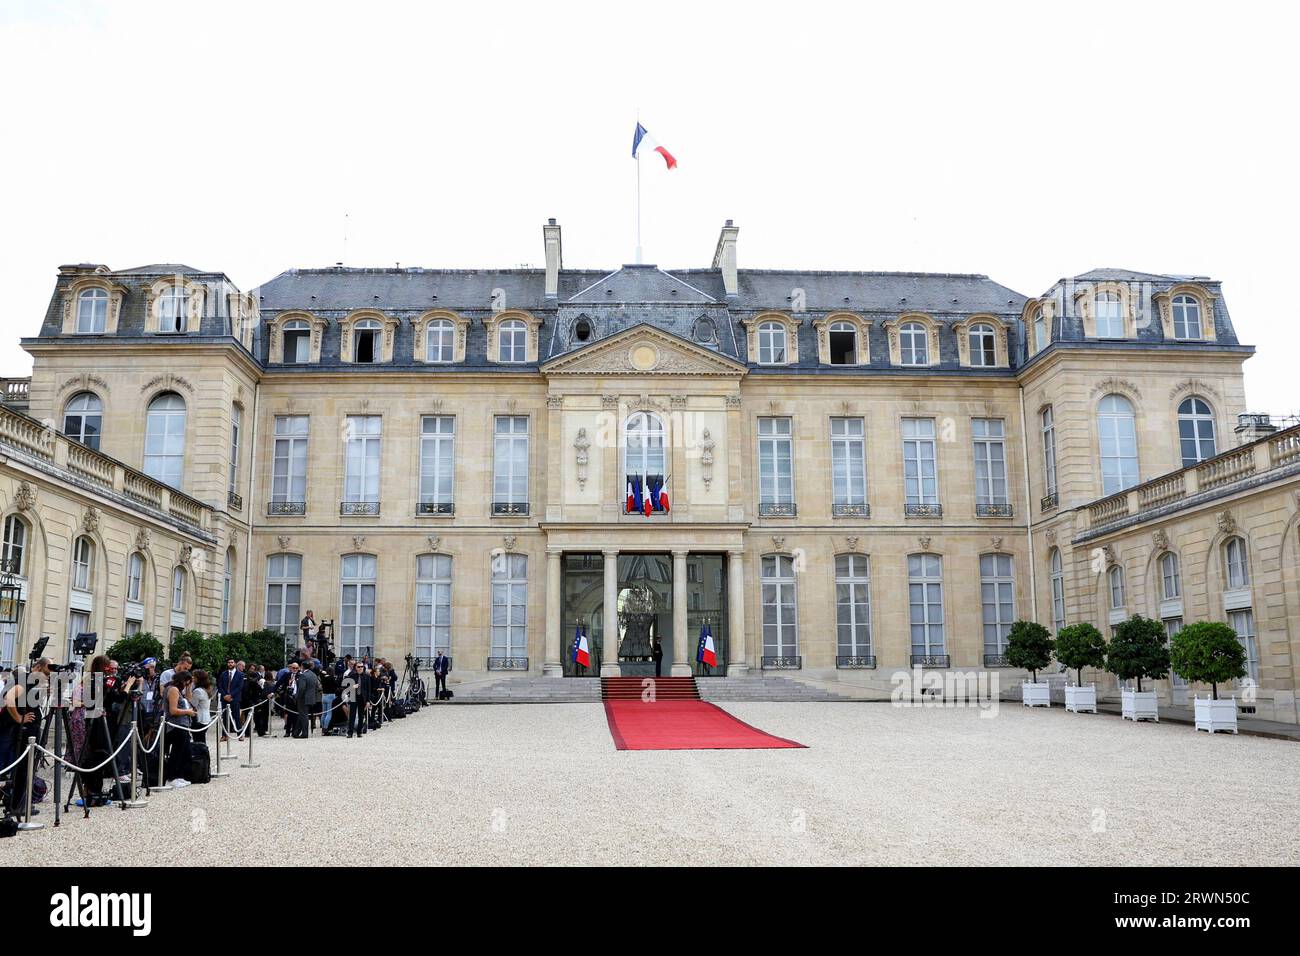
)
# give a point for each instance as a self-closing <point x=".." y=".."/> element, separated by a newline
<point x="551" y="663"/>
<point x="681" y="640"/>
<point x="737" y="666"/>
<point x="609" y="661"/>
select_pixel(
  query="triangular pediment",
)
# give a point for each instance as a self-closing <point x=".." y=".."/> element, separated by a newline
<point x="641" y="284"/>
<point x="644" y="350"/>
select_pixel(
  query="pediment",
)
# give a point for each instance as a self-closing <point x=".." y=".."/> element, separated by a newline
<point x="640" y="284"/>
<point x="644" y="350"/>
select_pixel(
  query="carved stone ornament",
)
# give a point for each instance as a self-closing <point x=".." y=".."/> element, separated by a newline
<point x="434" y="541"/>
<point x="554" y="401"/>
<point x="187" y="554"/>
<point x="284" y="541"/>
<point x="25" y="497"/>
<point x="609" y="401"/>
<point x="1050" y="534"/>
<point x="509" y="542"/>
<point x="90" y="520"/>
<point x="707" y="444"/>
<point x="924" y="542"/>
<point x="1161" y="540"/>
<point x="733" y="401"/>
<point x="1227" y="523"/>
<point x="996" y="543"/>
<point x="778" y="542"/>
<point x="1108" y="552"/>
<point x="851" y="542"/>
<point x="581" y="454"/>
<point x="142" y="540"/>
<point x="358" y="542"/>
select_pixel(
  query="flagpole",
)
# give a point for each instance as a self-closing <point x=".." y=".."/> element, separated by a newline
<point x="638" y="195"/>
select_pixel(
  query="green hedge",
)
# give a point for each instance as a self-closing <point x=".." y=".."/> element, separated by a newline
<point x="209" y="652"/>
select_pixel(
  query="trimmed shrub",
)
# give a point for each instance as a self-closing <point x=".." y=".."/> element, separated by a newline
<point x="1079" y="646"/>
<point x="1029" y="647"/>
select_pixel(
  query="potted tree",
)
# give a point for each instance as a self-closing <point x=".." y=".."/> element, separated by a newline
<point x="1029" y="647"/>
<point x="1208" y="652"/>
<point x="1079" y="646"/>
<point x="1136" y="651"/>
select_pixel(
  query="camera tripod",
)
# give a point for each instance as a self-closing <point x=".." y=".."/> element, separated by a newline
<point x="412" y="687"/>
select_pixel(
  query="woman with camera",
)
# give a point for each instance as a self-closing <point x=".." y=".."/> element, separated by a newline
<point x="180" y="718"/>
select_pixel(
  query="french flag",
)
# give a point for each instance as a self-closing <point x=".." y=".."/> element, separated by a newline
<point x="707" y="653"/>
<point x="581" y="652"/>
<point x="643" y="139"/>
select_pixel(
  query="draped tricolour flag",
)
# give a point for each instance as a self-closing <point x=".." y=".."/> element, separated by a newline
<point x="581" y="652"/>
<point x="707" y="653"/>
<point x="643" y="140"/>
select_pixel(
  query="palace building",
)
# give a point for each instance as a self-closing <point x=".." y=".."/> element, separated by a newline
<point x="840" y="475"/>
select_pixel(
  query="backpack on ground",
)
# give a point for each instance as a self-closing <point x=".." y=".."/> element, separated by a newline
<point x="200" y="763"/>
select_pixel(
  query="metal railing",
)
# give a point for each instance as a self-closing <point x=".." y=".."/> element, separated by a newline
<point x="435" y="508"/>
<point x="510" y="509"/>
<point x="930" y="660"/>
<point x="993" y="510"/>
<point x="507" y="663"/>
<point x="280" y="508"/>
<point x="856" y="662"/>
<point x="923" y="510"/>
<point x="235" y="501"/>
<point x="362" y="508"/>
<point x="781" y="663"/>
<point x="1049" y="502"/>
<point x="776" y="509"/>
<point x="995" y="660"/>
<point x="862" y="510"/>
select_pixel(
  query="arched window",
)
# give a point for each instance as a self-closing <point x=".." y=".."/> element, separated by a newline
<point x="236" y="421"/>
<point x="582" y="329"/>
<point x="432" y="605"/>
<point x="81" y="602"/>
<point x="357" y="604"/>
<point x="178" y="589"/>
<point x="1117" y="431"/>
<point x="1187" y="318"/>
<point x="983" y="346"/>
<point x="83" y="564"/>
<point x="925" y="605"/>
<point x="1171" y="577"/>
<point x="173" y="309"/>
<point x="780" y="611"/>
<point x="164" y="439"/>
<point x="83" y="419"/>
<point x="998" y="597"/>
<point x="365" y="341"/>
<point x="914" y="344"/>
<point x="1048" y="423"/>
<point x="92" y="312"/>
<point x="644" y="455"/>
<point x="1236" y="564"/>
<point x="1057" y="573"/>
<point x="13" y="557"/>
<point x="512" y="341"/>
<point x="1115" y="581"/>
<point x="440" y="341"/>
<point x="1195" y="431"/>
<point x="283" y="592"/>
<point x="227" y="583"/>
<point x="771" y="344"/>
<point x="1042" y="333"/>
<point x="852" y="606"/>
<point x="135" y="577"/>
<point x="1110" y="316"/>
<point x="509" y="609"/>
<point x="297" y="342"/>
<point x="842" y="339"/>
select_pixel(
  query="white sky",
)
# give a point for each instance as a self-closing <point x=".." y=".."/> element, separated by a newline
<point x="1026" y="142"/>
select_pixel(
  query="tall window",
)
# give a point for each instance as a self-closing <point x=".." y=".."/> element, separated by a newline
<point x="1115" y="580"/>
<point x="998" y="597"/>
<point x="925" y="604"/>
<point x="510" y="606"/>
<point x="1042" y="334"/>
<point x="83" y="419"/>
<point x="990" y="465"/>
<point x="848" y="465"/>
<point x="289" y="465"/>
<point x="432" y="604"/>
<point x="178" y="590"/>
<point x="852" y="605"/>
<point x="174" y="307"/>
<point x="1117" y="432"/>
<point x="512" y="341"/>
<point x="775" y="466"/>
<point x="1195" y="431"/>
<point x="920" y="476"/>
<point x="13" y="558"/>
<point x="164" y="439"/>
<point x="1243" y="622"/>
<point x="236" y="419"/>
<point x="227" y="585"/>
<point x="92" y="312"/>
<point x="1057" y="574"/>
<point x="78" y="623"/>
<point x="1171" y="577"/>
<point x="1237" y="564"/>
<point x="1049" y="450"/>
<point x="283" y="592"/>
<point x="437" y="463"/>
<point x="135" y="577"/>
<point x="361" y="477"/>
<point x="1110" y="316"/>
<point x="780" y="614"/>
<point x="842" y="338"/>
<point x="297" y="343"/>
<point x="644" y="453"/>
<point x="83" y="564"/>
<point x="983" y="346"/>
<point x="440" y="341"/>
<point x="357" y="604"/>
<point x="510" y="465"/>
<point x="771" y="343"/>
<point x="1187" y="317"/>
<point x="914" y="344"/>
<point x="365" y="341"/>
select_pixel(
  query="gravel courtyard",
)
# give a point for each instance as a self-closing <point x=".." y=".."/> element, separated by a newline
<point x="543" y="784"/>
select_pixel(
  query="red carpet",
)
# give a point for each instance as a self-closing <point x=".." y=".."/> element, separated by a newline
<point x="684" y="725"/>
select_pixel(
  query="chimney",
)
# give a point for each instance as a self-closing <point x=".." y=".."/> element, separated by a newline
<point x="554" y="258"/>
<point x="1252" y="427"/>
<point x="724" y="257"/>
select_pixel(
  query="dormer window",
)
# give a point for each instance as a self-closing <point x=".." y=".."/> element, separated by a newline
<point x="771" y="344"/>
<point x="512" y="341"/>
<point x="706" y="333"/>
<point x="1187" y="318"/>
<point x="983" y="346"/>
<point x="92" y="312"/>
<point x="581" y="330"/>
<point x="914" y="344"/>
<point x="174" y="307"/>
<point x="1042" y="334"/>
<point x="365" y="342"/>
<point x="440" y="341"/>
<point x="1110" y="316"/>
<point x="297" y="343"/>
<point x="843" y="340"/>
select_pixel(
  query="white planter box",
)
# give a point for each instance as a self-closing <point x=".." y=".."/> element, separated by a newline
<point x="1139" y="706"/>
<point x="1036" y="695"/>
<point x="1081" y="699"/>
<point x="1212" y="715"/>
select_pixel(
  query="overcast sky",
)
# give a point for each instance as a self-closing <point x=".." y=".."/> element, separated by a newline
<point x="1026" y="142"/>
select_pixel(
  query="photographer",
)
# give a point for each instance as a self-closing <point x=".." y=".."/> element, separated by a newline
<point x="181" y="716"/>
<point x="357" y="689"/>
<point x="19" y="723"/>
<point x="102" y="730"/>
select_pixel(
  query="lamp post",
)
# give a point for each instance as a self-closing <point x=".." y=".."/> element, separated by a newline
<point x="11" y="594"/>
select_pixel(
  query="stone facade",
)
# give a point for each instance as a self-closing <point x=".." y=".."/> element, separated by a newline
<point x="753" y="377"/>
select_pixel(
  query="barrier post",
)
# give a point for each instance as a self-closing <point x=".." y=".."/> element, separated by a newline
<point x="31" y="772"/>
<point x="134" y="737"/>
<point x="160" y="743"/>
<point x="215" y="772"/>
<point x="249" y="763"/>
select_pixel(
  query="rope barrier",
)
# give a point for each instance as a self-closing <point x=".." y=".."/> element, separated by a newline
<point x="21" y="757"/>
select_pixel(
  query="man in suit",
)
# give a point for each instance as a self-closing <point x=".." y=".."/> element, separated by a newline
<point x="308" y="700"/>
<point x="286" y="695"/>
<point x="441" y="665"/>
<point x="230" y="687"/>
<point x="357" y="691"/>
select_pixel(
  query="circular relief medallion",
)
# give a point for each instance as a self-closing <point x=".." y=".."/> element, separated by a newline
<point x="644" y="357"/>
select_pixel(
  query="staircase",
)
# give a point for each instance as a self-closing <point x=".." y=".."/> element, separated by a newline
<point x="530" y="690"/>
<point x="665" y="688"/>
<point x="781" y="689"/>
